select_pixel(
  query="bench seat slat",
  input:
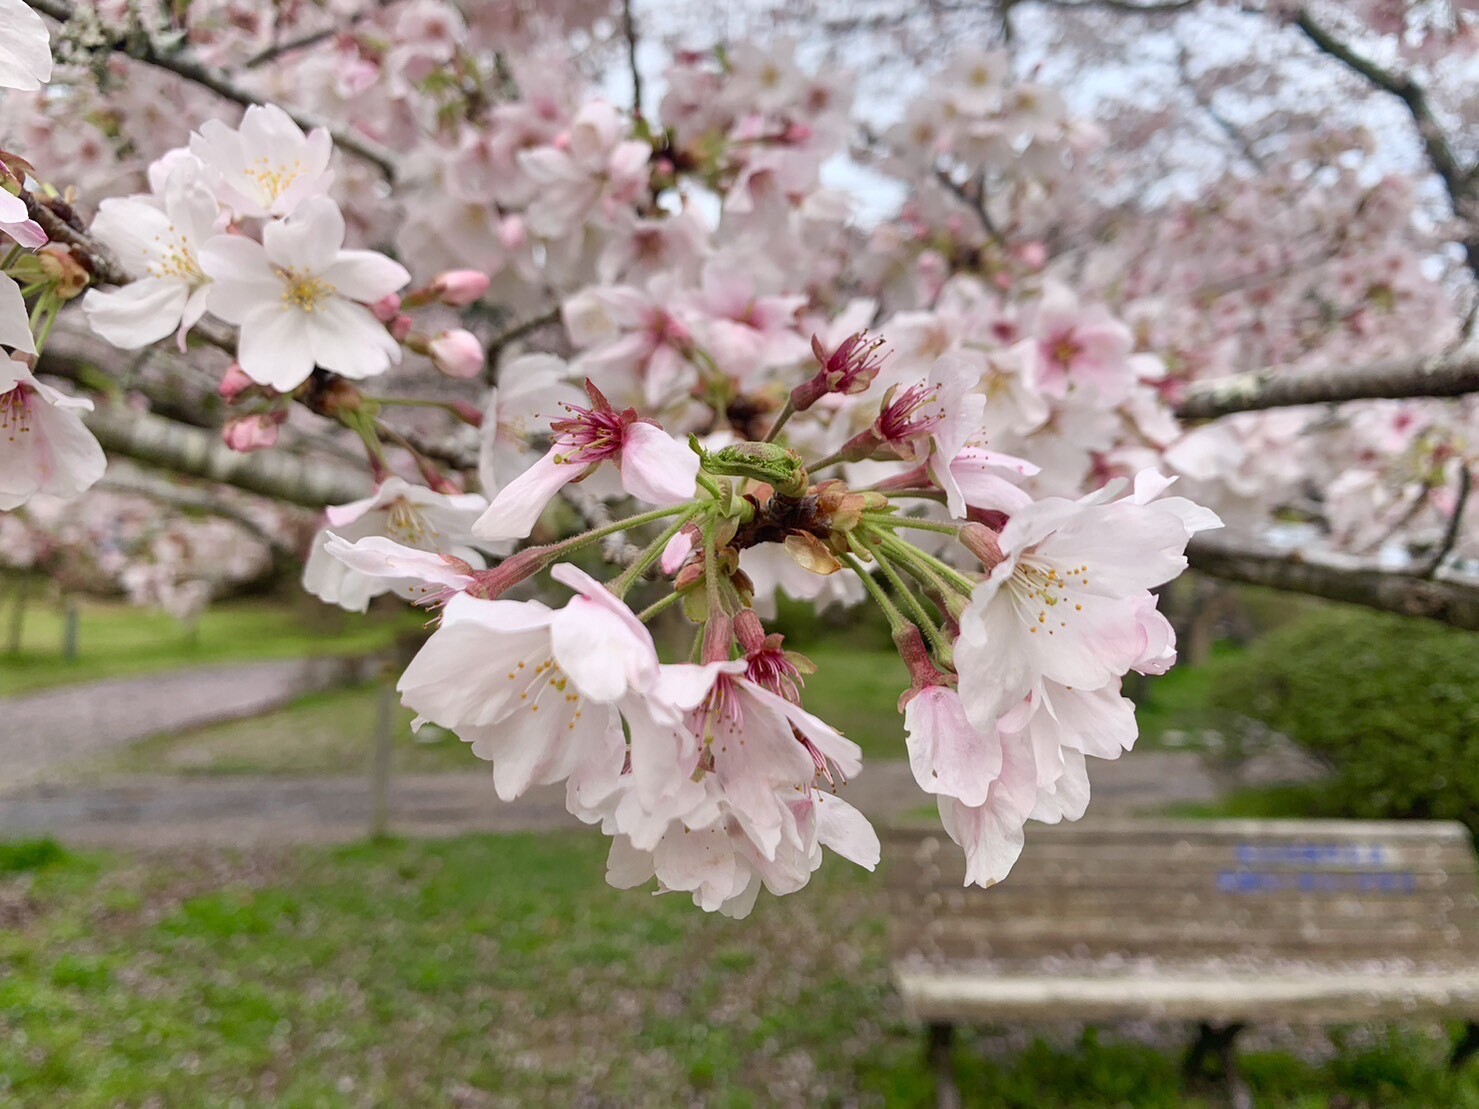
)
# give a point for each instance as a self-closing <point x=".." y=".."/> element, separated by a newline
<point x="1301" y="997"/>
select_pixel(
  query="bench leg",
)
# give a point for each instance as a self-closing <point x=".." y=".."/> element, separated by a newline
<point x="1467" y="1045"/>
<point x="1217" y="1042"/>
<point x="947" y="1092"/>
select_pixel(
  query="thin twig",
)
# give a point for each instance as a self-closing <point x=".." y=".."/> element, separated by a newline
<point x="1450" y="534"/>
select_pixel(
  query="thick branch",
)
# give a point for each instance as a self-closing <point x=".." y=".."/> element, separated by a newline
<point x="141" y="49"/>
<point x="1446" y="601"/>
<point x="1449" y="375"/>
<point x="152" y="439"/>
<point x="1457" y="179"/>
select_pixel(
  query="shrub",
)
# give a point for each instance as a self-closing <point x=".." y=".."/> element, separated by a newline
<point x="1390" y="703"/>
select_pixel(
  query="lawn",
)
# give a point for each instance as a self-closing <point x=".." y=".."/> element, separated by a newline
<point x="331" y="733"/>
<point x="117" y="640"/>
<point x="501" y="971"/>
<point x="855" y="688"/>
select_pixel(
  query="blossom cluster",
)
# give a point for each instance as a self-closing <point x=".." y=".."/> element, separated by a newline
<point x="739" y="391"/>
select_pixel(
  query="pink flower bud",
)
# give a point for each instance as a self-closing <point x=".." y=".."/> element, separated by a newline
<point x="467" y="413"/>
<point x="512" y="233"/>
<point x="387" y="307"/>
<point x="234" y="383"/>
<point x="251" y="433"/>
<point x="457" y="353"/>
<point x="459" y="288"/>
<point x="400" y="327"/>
<point x="1034" y="254"/>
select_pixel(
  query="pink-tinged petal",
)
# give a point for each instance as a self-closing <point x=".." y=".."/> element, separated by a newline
<point x="947" y="754"/>
<point x="15" y="321"/>
<point x="655" y="467"/>
<point x="1098" y="722"/>
<point x="676" y="553"/>
<point x="243" y="279"/>
<point x="600" y="651"/>
<point x="519" y="504"/>
<point x="275" y="348"/>
<point x="365" y="275"/>
<point x="684" y="685"/>
<point x="347" y="339"/>
<point x="26" y="233"/>
<point x="380" y="557"/>
<point x="308" y="241"/>
<point x="25" y="47"/>
<point x="136" y="314"/>
<point x="846" y="831"/>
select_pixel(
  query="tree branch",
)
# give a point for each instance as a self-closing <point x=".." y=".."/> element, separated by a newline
<point x="1446" y="601"/>
<point x="1447" y="375"/>
<point x="156" y="441"/>
<point x="140" y="48"/>
<point x="1457" y="179"/>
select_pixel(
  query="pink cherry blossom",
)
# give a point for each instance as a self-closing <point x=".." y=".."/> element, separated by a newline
<point x="654" y="467"/>
<point x="300" y="298"/>
<point x="44" y="445"/>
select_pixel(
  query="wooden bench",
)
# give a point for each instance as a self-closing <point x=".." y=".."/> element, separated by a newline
<point x="1221" y="923"/>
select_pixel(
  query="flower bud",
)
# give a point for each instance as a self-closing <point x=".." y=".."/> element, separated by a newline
<point x="234" y="383"/>
<point x="457" y="353"/>
<point x="459" y="288"/>
<point x="982" y="542"/>
<point x="251" y="433"/>
<point x="400" y="327"/>
<point x="387" y="307"/>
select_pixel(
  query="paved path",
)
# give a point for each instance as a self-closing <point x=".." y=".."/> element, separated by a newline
<point x="165" y="812"/>
<point x="41" y="732"/>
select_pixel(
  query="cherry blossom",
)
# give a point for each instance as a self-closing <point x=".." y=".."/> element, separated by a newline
<point x="158" y="238"/>
<point x="300" y="298"/>
<point x="44" y="445"/>
<point x="25" y="47"/>
<point x="410" y="516"/>
<point x="267" y="166"/>
<point x="654" y="467"/>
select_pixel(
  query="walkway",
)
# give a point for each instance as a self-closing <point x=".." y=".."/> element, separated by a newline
<point x="164" y="812"/>
<point x="41" y="732"/>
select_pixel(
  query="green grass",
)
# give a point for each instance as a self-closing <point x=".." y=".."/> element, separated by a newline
<point x="325" y="733"/>
<point x="1303" y="801"/>
<point x="500" y="970"/>
<point x="1177" y="702"/>
<point x="117" y="640"/>
<point x="331" y="733"/>
<point x="857" y="691"/>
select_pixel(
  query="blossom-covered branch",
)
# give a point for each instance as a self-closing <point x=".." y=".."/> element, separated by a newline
<point x="141" y="48"/>
<point x="1444" y="600"/>
<point x="1446" y="375"/>
<point x="156" y="441"/>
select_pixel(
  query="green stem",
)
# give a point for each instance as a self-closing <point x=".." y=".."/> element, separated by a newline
<point x="711" y="486"/>
<point x="830" y="460"/>
<point x="659" y="605"/>
<point x="651" y="553"/>
<point x="911" y="555"/>
<point x="711" y="592"/>
<point x="917" y="610"/>
<point x="912" y="523"/>
<point x="575" y="542"/>
<point x="780" y="421"/>
<point x="896" y="620"/>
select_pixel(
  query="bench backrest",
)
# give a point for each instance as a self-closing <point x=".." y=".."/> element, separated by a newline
<point x="1316" y="890"/>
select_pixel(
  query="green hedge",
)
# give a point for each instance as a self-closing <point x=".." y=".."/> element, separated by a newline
<point x="1392" y="704"/>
